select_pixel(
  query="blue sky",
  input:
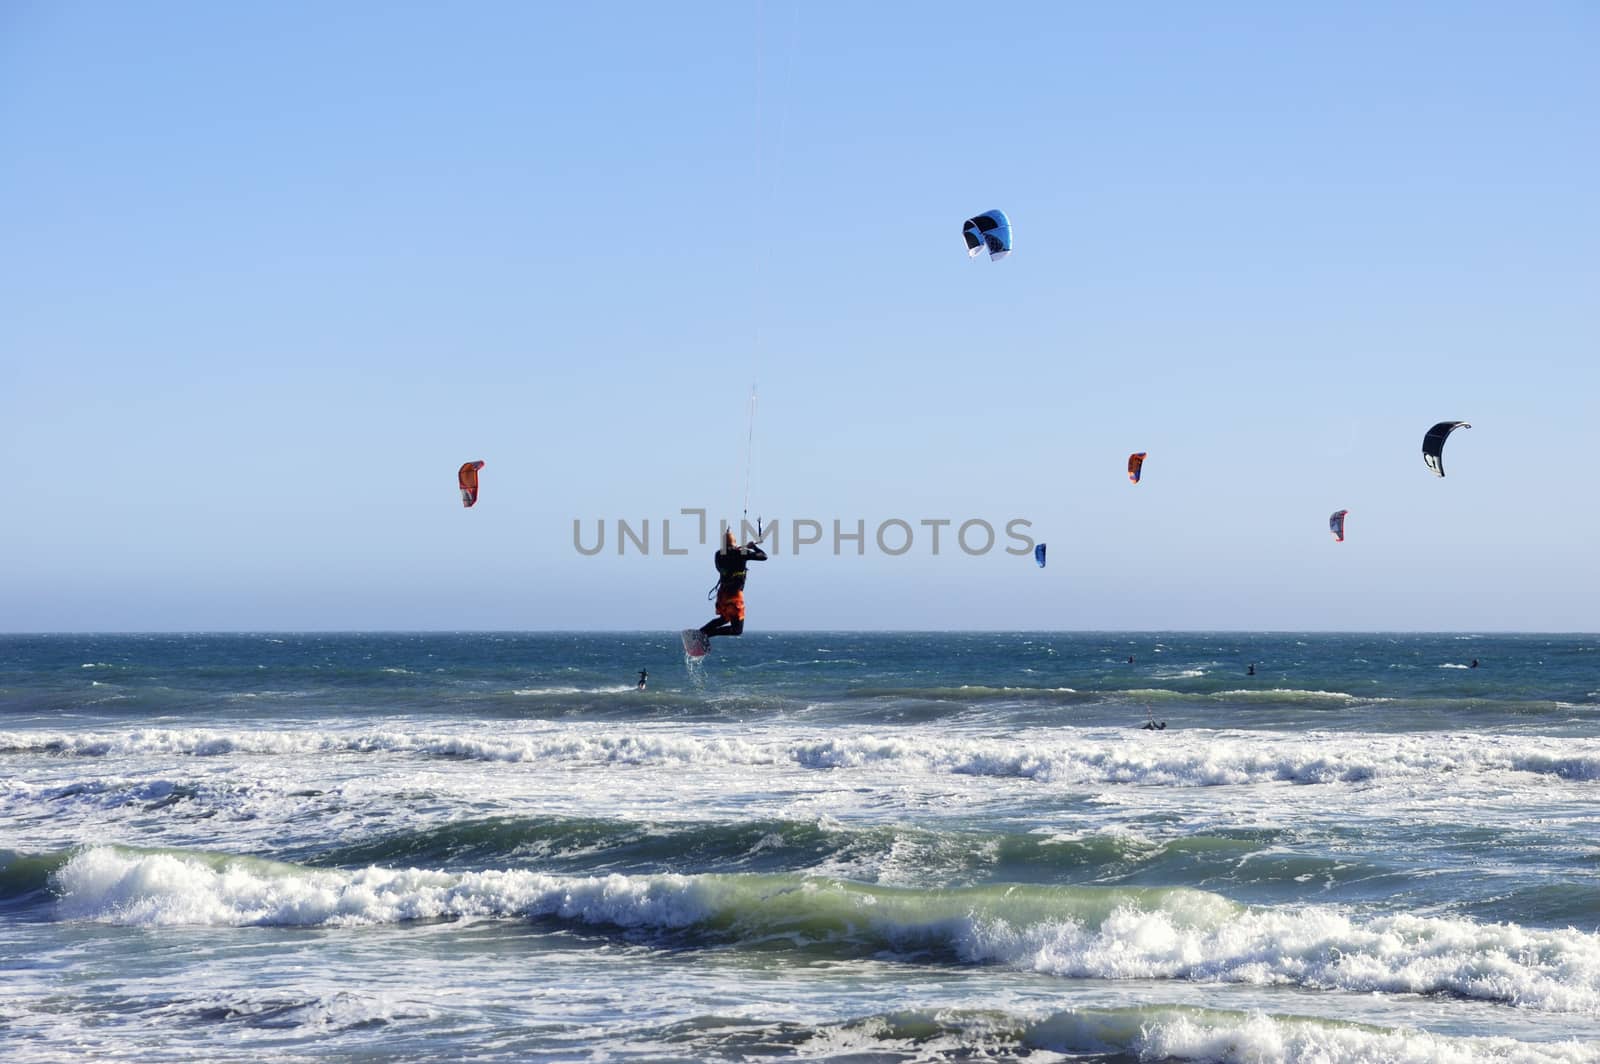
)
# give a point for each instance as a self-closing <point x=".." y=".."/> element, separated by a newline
<point x="270" y="273"/>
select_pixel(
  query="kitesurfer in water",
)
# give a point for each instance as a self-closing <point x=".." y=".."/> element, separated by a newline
<point x="731" y="573"/>
<point x="644" y="674"/>
<point x="1251" y="671"/>
<point x="1474" y="664"/>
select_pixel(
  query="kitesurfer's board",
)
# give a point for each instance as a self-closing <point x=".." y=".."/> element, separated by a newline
<point x="695" y="643"/>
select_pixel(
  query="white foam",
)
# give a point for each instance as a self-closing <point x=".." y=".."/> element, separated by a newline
<point x="1185" y="935"/>
<point x="108" y="885"/>
<point x="1317" y="948"/>
<point x="527" y="692"/>
<point x="320" y="1013"/>
<point x="1193" y="757"/>
<point x="1209" y="759"/>
<point x="574" y="745"/>
<point x="1178" y="1034"/>
<point x="1291" y="694"/>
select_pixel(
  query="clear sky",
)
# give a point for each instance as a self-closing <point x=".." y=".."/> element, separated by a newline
<point x="269" y="273"/>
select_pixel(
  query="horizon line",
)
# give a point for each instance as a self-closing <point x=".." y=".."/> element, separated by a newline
<point x="803" y="631"/>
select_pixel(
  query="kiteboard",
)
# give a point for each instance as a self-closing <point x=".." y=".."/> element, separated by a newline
<point x="695" y="643"/>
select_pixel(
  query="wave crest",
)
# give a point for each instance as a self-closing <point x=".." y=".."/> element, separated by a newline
<point x="1080" y="932"/>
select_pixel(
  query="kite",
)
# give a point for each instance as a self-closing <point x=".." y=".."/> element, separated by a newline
<point x="990" y="230"/>
<point x="1336" y="525"/>
<point x="468" y="479"/>
<point x="1433" y="444"/>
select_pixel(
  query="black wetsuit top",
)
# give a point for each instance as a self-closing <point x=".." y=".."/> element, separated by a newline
<point x="730" y="568"/>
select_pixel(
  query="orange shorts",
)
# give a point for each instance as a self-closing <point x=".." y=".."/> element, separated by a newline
<point x="731" y="607"/>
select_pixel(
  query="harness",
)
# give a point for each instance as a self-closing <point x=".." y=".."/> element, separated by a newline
<point x="729" y="577"/>
<point x="716" y="587"/>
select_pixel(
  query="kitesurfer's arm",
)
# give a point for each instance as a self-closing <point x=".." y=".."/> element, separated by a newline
<point x="754" y="553"/>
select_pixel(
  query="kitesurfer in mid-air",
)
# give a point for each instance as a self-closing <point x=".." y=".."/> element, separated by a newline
<point x="731" y="573"/>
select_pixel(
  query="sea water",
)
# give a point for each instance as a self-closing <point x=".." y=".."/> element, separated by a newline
<point x="824" y="845"/>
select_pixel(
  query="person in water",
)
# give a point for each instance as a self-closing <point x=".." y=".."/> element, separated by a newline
<point x="644" y="674"/>
<point x="1251" y="671"/>
<point x="1474" y="664"/>
<point x="731" y="573"/>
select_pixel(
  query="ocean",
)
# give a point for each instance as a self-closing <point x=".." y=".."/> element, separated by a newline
<point x="829" y="846"/>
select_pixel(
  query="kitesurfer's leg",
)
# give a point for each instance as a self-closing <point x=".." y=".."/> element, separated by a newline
<point x="729" y="619"/>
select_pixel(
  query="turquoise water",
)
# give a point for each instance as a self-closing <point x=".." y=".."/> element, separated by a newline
<point x="825" y="845"/>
